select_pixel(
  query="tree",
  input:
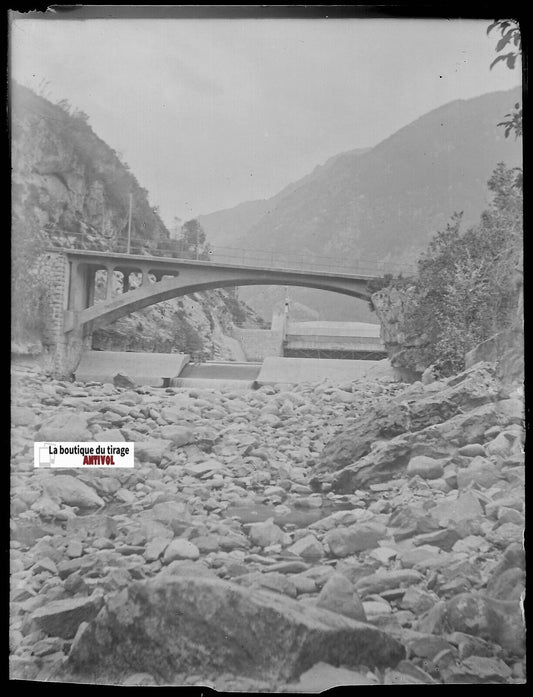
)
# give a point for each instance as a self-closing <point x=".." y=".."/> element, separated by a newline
<point x="510" y="38"/>
<point x="187" y="242"/>
<point x="469" y="283"/>
<point x="193" y="236"/>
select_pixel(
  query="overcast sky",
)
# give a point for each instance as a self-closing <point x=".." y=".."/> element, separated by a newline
<point x="210" y="113"/>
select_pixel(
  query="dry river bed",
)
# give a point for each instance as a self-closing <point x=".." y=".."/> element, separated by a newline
<point x="213" y="562"/>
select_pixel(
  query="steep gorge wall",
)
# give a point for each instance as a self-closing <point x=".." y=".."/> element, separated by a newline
<point x="69" y="188"/>
<point x="67" y="182"/>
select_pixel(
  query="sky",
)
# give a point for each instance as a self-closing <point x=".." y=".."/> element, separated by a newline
<point x="210" y="113"/>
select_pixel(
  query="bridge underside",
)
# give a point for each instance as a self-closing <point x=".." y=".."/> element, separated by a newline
<point x="161" y="280"/>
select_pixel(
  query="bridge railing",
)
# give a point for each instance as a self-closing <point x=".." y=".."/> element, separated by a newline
<point x="236" y="256"/>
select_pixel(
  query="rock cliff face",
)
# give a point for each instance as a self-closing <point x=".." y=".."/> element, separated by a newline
<point x="199" y="325"/>
<point x="71" y="189"/>
<point x="68" y="182"/>
<point x="506" y="348"/>
<point x="405" y="351"/>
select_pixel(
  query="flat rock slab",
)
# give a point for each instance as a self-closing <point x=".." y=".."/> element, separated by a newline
<point x="65" y="426"/>
<point x="63" y="617"/>
<point x="181" y="624"/>
<point x="198" y="469"/>
<point x="465" y="507"/>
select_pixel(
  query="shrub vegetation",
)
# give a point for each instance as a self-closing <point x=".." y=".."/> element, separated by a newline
<point x="469" y="283"/>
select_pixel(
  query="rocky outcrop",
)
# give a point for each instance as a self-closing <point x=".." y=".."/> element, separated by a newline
<point x="442" y="421"/>
<point x="434" y="420"/>
<point x="68" y="182"/>
<point x="406" y="351"/>
<point x="506" y="349"/>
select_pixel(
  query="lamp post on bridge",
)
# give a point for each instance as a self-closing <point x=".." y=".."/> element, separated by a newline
<point x="129" y="224"/>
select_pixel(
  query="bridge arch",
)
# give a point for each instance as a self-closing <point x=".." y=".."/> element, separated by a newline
<point x="106" y="312"/>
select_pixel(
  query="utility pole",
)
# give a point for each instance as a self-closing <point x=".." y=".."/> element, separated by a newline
<point x="129" y="224"/>
<point x="197" y="239"/>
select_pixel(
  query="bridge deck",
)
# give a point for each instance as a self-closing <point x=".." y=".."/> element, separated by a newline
<point x="159" y="262"/>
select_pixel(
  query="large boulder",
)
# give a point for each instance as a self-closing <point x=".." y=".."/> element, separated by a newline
<point x="425" y="467"/>
<point x="383" y="422"/>
<point x="498" y="621"/>
<point x="62" y="618"/>
<point x="339" y="595"/>
<point x="152" y="449"/>
<point x="179" y="435"/>
<point x="453" y="509"/>
<point x="180" y="549"/>
<point x="507" y="580"/>
<point x="71" y="491"/>
<point x="463" y="392"/>
<point x="266" y="533"/>
<point x="66" y="427"/>
<point x="345" y="541"/>
<point x="123" y="380"/>
<point x="387" y="459"/>
<point x="22" y="416"/>
<point x="480" y="471"/>
<point x="185" y="624"/>
<point x="385" y="580"/>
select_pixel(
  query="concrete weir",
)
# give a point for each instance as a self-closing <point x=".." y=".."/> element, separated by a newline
<point x="218" y="375"/>
<point x="153" y="369"/>
<point x="297" y="370"/>
<point x="176" y="370"/>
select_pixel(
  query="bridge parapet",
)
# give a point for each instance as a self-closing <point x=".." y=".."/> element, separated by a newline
<point x="232" y="256"/>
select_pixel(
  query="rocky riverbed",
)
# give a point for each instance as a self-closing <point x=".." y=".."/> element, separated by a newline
<point x="282" y="539"/>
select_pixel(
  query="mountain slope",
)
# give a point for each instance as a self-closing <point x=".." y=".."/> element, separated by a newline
<point x="386" y="203"/>
<point x="226" y="226"/>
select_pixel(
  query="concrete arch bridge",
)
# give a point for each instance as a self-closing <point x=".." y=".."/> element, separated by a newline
<point x="164" y="278"/>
